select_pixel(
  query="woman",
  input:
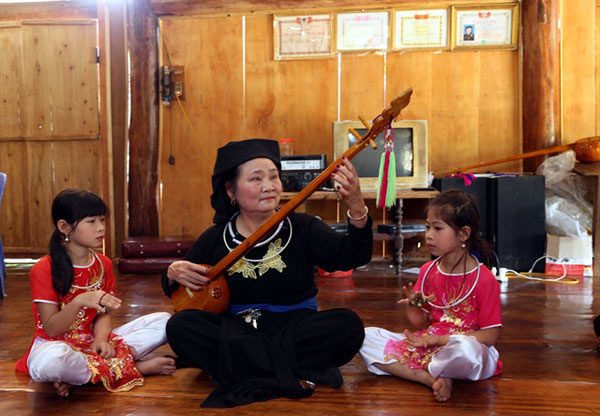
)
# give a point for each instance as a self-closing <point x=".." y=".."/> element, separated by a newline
<point x="272" y="342"/>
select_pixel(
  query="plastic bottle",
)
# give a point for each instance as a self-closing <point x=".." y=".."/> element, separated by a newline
<point x="286" y="147"/>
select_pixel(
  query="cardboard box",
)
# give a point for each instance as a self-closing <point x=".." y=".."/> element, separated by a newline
<point x="575" y="254"/>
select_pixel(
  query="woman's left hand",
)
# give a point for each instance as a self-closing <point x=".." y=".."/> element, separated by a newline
<point x="104" y="349"/>
<point x="348" y="188"/>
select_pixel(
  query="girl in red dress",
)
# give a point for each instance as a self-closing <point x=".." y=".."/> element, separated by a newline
<point x="73" y="292"/>
<point x="456" y="300"/>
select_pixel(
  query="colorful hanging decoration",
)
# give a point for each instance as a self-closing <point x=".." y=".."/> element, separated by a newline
<point x="468" y="178"/>
<point x="386" y="182"/>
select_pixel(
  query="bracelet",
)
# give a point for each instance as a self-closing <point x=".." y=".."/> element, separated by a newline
<point x="100" y="300"/>
<point x="358" y="218"/>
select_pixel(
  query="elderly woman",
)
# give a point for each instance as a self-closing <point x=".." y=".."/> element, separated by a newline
<point x="273" y="341"/>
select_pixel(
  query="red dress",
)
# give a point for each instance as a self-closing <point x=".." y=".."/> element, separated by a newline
<point x="118" y="373"/>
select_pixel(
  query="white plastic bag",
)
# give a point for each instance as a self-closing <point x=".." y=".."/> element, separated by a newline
<point x="568" y="213"/>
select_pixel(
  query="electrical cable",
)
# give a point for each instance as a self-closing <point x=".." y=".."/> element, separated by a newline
<point x="531" y="275"/>
<point x="185" y="114"/>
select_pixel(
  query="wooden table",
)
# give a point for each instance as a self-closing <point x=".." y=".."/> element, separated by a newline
<point x="591" y="171"/>
<point x="401" y="195"/>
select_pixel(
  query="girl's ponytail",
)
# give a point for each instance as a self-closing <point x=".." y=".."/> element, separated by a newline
<point x="482" y="248"/>
<point x="62" y="267"/>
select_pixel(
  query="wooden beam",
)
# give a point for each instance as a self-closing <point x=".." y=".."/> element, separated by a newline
<point x="119" y="95"/>
<point x="43" y="10"/>
<point x="255" y="7"/>
<point x="106" y="121"/>
<point x="541" y="78"/>
<point x="143" y="128"/>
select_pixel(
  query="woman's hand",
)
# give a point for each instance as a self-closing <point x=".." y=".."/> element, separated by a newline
<point x="425" y="340"/>
<point x="348" y="188"/>
<point x="99" y="300"/>
<point x="188" y="274"/>
<point x="104" y="349"/>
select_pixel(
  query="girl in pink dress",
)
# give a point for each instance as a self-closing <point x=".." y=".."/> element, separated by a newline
<point x="73" y="292"/>
<point x="456" y="300"/>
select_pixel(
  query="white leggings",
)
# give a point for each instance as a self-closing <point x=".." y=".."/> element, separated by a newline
<point x="462" y="358"/>
<point x="51" y="361"/>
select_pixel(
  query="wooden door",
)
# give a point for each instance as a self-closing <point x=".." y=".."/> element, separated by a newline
<point x="49" y="123"/>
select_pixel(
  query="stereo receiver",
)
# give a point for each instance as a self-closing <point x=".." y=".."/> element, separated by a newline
<point x="298" y="171"/>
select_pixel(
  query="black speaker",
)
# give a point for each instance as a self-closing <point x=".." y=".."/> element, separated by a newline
<point x="517" y="219"/>
<point x="478" y="189"/>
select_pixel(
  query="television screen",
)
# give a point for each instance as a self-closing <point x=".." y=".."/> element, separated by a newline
<point x="367" y="162"/>
<point x="410" y="150"/>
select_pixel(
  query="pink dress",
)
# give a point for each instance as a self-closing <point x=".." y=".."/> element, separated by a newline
<point x="479" y="310"/>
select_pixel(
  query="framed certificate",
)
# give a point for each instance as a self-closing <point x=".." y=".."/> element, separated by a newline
<point x="305" y="36"/>
<point x="362" y="31"/>
<point x="493" y="26"/>
<point x="420" y="29"/>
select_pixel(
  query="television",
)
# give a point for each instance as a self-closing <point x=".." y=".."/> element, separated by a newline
<point x="410" y="149"/>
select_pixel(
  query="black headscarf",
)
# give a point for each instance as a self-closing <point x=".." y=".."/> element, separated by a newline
<point x="229" y="157"/>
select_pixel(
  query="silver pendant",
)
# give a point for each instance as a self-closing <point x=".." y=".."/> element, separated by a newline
<point x="251" y="316"/>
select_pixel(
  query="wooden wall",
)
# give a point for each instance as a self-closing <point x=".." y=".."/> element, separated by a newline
<point x="49" y="127"/>
<point x="234" y="89"/>
<point x="580" y="69"/>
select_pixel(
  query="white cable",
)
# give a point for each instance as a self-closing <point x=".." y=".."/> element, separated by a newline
<point x="541" y="279"/>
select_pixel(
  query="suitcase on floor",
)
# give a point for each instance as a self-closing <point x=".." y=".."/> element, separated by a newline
<point x="144" y="255"/>
<point x="169" y="246"/>
<point x="145" y="265"/>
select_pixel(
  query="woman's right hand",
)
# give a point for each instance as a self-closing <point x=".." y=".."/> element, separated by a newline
<point x="188" y="274"/>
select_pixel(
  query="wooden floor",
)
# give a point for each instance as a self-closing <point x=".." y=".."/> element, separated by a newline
<point x="547" y="346"/>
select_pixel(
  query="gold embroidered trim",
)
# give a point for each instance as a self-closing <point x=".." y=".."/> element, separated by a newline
<point x="125" y="387"/>
<point x="248" y="270"/>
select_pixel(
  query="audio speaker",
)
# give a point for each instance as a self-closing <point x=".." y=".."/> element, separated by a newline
<point x="517" y="218"/>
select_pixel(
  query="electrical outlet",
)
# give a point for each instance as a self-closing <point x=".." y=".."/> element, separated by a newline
<point x="178" y="75"/>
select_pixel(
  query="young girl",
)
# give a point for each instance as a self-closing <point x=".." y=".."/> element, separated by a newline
<point x="72" y="290"/>
<point x="457" y="296"/>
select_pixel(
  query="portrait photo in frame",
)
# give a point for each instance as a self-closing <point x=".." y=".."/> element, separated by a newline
<point x="302" y="36"/>
<point x="487" y="26"/>
<point x="362" y="31"/>
<point x="420" y="29"/>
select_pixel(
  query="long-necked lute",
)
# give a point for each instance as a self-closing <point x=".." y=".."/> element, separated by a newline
<point x="586" y="150"/>
<point x="215" y="296"/>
